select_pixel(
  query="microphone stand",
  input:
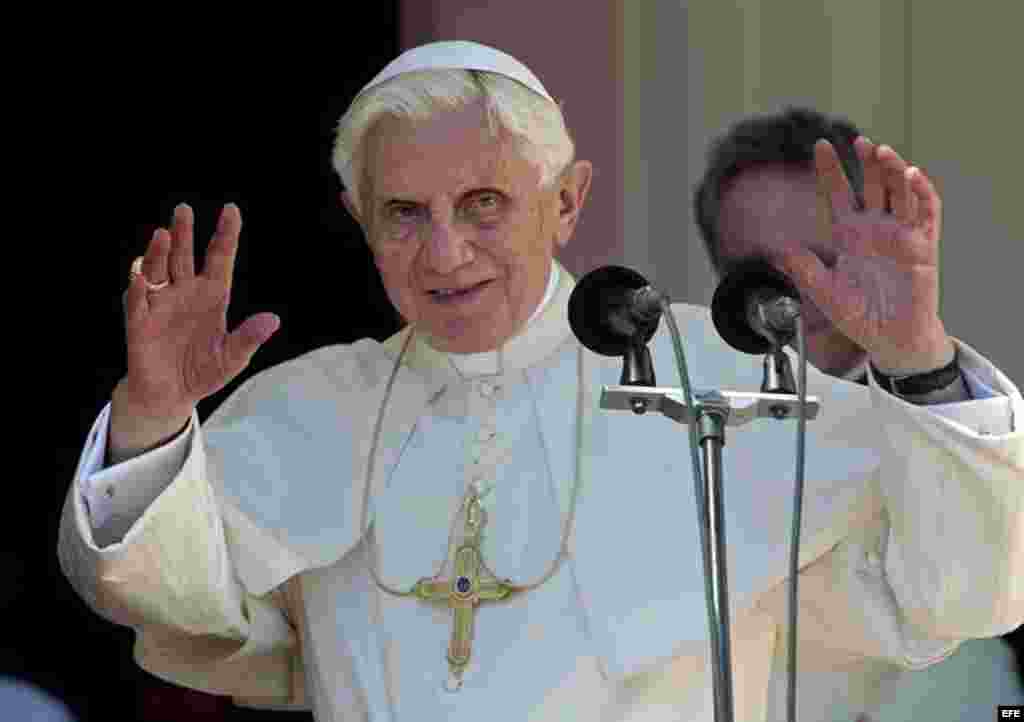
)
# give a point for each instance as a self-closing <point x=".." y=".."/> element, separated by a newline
<point x="712" y="411"/>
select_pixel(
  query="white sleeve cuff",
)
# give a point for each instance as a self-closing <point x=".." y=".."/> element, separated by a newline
<point x="996" y="406"/>
<point x="117" y="496"/>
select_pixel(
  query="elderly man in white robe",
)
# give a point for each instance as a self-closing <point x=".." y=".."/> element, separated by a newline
<point x="447" y="526"/>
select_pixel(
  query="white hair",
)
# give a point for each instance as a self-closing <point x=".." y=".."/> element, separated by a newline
<point x="421" y="95"/>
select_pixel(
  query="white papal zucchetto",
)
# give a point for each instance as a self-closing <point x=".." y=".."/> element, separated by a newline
<point x="459" y="55"/>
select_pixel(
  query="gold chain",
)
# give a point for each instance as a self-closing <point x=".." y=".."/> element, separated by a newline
<point x="566" y="527"/>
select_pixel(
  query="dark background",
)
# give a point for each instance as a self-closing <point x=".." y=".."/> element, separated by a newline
<point x="203" y="110"/>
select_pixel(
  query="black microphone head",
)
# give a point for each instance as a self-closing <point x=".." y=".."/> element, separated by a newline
<point x="597" y="296"/>
<point x="729" y="305"/>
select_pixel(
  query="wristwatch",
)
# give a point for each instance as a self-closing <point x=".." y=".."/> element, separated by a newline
<point x="920" y="384"/>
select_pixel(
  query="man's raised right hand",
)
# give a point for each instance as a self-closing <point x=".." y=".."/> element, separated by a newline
<point x="179" y="348"/>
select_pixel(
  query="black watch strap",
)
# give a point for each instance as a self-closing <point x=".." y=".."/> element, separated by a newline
<point x="920" y="384"/>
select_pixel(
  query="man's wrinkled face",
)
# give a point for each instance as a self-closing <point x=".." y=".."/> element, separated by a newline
<point x="460" y="229"/>
<point x="770" y="209"/>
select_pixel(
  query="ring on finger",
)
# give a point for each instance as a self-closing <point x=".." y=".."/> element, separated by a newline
<point x="137" y="271"/>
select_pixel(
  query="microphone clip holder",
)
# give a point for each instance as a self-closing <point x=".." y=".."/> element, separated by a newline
<point x="737" y="407"/>
<point x="637" y="366"/>
<point x="778" y="373"/>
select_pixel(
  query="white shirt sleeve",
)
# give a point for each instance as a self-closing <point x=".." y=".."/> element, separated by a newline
<point x="116" y="496"/>
<point x="153" y="555"/>
<point x="988" y="412"/>
<point x="951" y="480"/>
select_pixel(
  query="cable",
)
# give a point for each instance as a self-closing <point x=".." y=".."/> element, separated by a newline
<point x="798" y="497"/>
<point x="714" y="624"/>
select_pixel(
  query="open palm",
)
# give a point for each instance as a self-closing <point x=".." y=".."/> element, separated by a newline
<point x="179" y="348"/>
<point x="882" y="292"/>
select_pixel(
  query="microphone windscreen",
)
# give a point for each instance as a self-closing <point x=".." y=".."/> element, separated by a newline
<point x="729" y="304"/>
<point x="596" y="299"/>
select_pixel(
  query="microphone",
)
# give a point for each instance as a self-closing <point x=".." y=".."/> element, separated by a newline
<point x="755" y="308"/>
<point x="614" y="312"/>
<point x="612" y="308"/>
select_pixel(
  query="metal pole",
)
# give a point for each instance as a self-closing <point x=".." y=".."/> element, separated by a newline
<point x="712" y="439"/>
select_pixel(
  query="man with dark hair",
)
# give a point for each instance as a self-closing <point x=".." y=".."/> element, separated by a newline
<point x="787" y="139"/>
<point x="758" y="198"/>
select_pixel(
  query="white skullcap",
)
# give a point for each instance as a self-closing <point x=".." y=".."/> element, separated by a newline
<point x="459" y="55"/>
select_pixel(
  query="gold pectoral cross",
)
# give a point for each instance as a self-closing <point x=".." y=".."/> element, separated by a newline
<point x="469" y="585"/>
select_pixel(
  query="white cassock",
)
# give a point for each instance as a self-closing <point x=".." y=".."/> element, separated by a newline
<point x="237" y="554"/>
